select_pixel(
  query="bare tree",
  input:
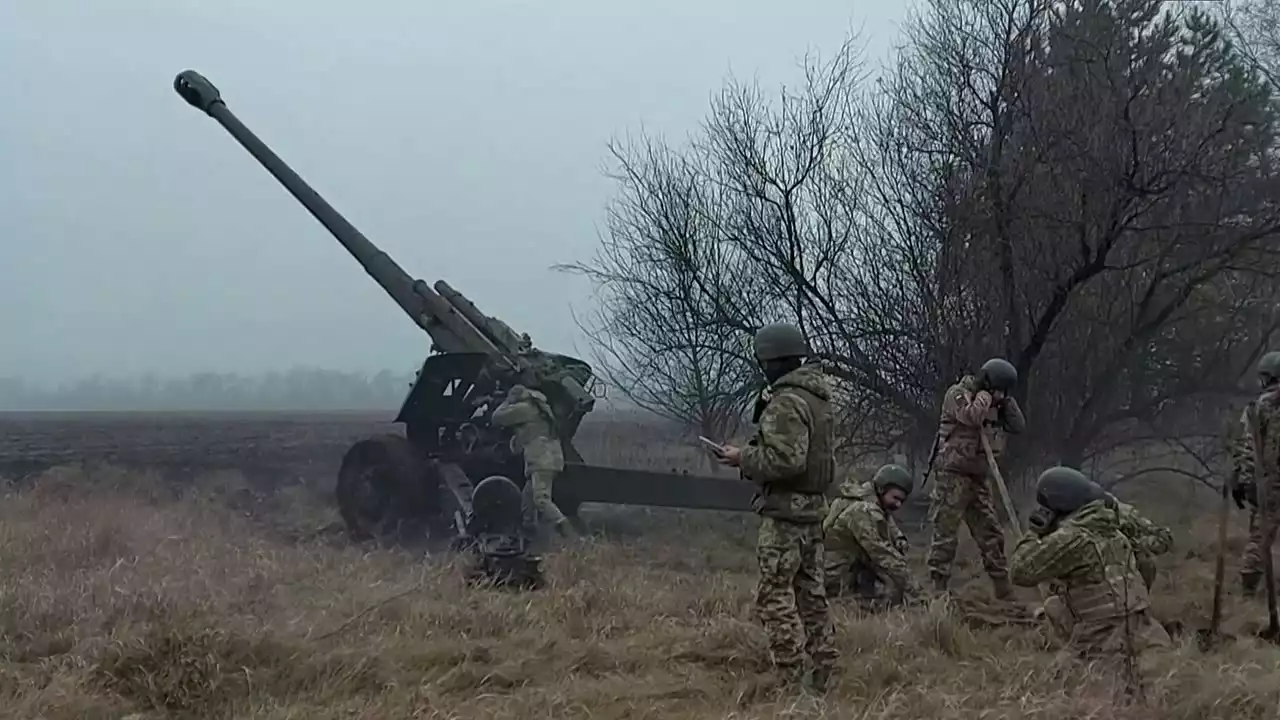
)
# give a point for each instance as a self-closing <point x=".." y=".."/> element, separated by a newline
<point x="1083" y="187"/>
<point x="1101" y="173"/>
<point x="650" y="337"/>
<point x="1255" y="27"/>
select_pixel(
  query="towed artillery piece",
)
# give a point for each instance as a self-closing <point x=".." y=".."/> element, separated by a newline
<point x="421" y="482"/>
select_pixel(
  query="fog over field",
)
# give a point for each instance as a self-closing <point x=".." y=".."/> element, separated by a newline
<point x="467" y="140"/>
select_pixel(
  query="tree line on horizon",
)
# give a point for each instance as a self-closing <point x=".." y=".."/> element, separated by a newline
<point x="300" y="388"/>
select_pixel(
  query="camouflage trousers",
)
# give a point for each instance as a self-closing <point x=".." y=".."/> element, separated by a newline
<point x="861" y="584"/>
<point x="970" y="499"/>
<point x="1108" y="638"/>
<point x="1252" y="557"/>
<point x="537" y="499"/>
<point x="791" y="600"/>
<point x="844" y="572"/>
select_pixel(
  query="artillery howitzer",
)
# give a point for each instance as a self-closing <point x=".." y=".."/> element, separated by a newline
<point x="422" y="481"/>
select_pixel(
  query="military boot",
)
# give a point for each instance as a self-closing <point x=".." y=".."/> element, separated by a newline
<point x="940" y="583"/>
<point x="565" y="529"/>
<point x="820" y="679"/>
<point x="1249" y="583"/>
<point x="790" y="677"/>
<point x="1003" y="590"/>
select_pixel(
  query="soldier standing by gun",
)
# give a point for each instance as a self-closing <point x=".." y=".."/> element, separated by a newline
<point x="1245" y="467"/>
<point x="530" y="417"/>
<point x="792" y="460"/>
<point x="962" y="488"/>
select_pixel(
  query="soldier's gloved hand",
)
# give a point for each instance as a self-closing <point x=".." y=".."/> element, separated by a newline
<point x="1041" y="521"/>
<point x="1243" y="493"/>
<point x="1232" y="490"/>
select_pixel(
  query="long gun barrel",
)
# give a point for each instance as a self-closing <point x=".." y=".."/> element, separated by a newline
<point x="497" y="332"/>
<point x="449" y="328"/>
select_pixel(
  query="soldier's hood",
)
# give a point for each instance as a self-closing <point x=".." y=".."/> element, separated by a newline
<point x="1098" y="516"/>
<point x="809" y="377"/>
<point x="855" y="489"/>
<point x="969" y="382"/>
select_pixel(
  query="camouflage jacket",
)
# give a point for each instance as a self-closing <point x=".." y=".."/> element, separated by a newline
<point x="528" y="415"/>
<point x="858" y="526"/>
<point x="1242" y="457"/>
<point x="790" y="457"/>
<point x="1146" y="538"/>
<point x="966" y="413"/>
<point x="1088" y="562"/>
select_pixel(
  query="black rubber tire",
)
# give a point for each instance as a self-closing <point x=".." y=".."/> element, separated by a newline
<point x="384" y="489"/>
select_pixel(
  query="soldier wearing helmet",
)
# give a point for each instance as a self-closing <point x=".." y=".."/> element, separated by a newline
<point x="865" y="548"/>
<point x="1099" y="603"/>
<point x="791" y="461"/>
<point x="529" y="416"/>
<point x="1147" y="538"/>
<point x="1265" y="410"/>
<point x="962" y="491"/>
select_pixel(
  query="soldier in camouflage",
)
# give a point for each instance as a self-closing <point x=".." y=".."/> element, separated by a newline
<point x="1098" y="603"/>
<point x="791" y="460"/>
<point x="865" y="549"/>
<point x="963" y="491"/>
<point x="532" y="422"/>
<point x="1267" y="409"/>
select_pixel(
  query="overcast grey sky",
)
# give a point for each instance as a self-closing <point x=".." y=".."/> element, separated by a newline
<point x="467" y="139"/>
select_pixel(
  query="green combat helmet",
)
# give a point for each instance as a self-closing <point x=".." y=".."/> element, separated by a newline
<point x="1065" y="490"/>
<point x="1269" y="367"/>
<point x="998" y="374"/>
<point x="779" y="340"/>
<point x="893" y="476"/>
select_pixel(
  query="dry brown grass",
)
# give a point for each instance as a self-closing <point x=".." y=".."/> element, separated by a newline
<point x="122" y="596"/>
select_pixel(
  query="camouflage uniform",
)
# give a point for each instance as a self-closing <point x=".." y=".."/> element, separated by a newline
<point x="1245" y="466"/>
<point x="865" y="548"/>
<point x="1146" y="538"/>
<point x="791" y="460"/>
<point x="528" y="414"/>
<point x="962" y="490"/>
<point x="1098" y="601"/>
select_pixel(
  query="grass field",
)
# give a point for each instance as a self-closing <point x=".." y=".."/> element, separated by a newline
<point x="126" y="594"/>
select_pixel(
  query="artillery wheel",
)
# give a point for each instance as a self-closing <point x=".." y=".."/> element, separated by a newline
<point x="382" y="488"/>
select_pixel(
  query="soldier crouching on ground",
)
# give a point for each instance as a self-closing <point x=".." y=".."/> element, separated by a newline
<point x="962" y="491"/>
<point x="530" y="417"/>
<point x="791" y="459"/>
<point x="1266" y="409"/>
<point x="1098" y="603"/>
<point x="866" y="550"/>
<point x="1147" y="538"/>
